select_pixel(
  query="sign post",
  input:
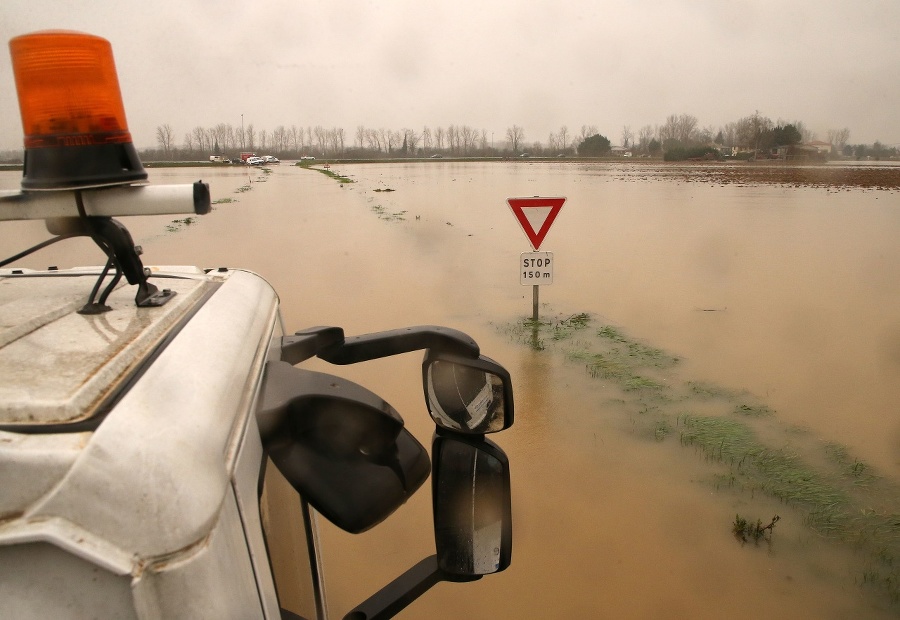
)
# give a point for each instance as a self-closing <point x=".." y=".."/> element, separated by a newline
<point x="535" y="215"/>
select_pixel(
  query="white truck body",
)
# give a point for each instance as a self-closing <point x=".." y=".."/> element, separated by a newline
<point x="134" y="516"/>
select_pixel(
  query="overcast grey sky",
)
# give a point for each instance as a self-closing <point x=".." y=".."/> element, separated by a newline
<point x="489" y="64"/>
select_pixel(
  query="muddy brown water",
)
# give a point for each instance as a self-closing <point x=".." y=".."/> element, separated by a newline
<point x="779" y="295"/>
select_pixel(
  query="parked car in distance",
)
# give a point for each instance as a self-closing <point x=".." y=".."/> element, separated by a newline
<point x="307" y="157"/>
<point x="254" y="161"/>
<point x="270" y="159"/>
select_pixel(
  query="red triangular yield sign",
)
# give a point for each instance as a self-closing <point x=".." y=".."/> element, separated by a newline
<point x="535" y="215"/>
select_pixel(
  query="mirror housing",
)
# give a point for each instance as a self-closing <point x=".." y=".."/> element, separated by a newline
<point x="467" y="395"/>
<point x="342" y="447"/>
<point x="472" y="505"/>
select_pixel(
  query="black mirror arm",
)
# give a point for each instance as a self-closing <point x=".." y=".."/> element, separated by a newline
<point x="398" y="594"/>
<point x="329" y="344"/>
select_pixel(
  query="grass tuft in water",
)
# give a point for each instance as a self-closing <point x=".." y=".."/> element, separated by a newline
<point x="387" y="216"/>
<point x="746" y="531"/>
<point x="566" y="328"/>
<point x="661" y="430"/>
<point x="176" y="225"/>
<point x="753" y="411"/>
<point x="709" y="391"/>
<point x="852" y="468"/>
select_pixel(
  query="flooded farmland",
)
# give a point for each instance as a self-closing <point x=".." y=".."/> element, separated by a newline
<point x="718" y="344"/>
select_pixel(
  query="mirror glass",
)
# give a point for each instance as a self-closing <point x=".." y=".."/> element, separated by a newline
<point x="468" y="395"/>
<point x="472" y="513"/>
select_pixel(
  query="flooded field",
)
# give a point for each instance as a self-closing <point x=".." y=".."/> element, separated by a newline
<point x="718" y="345"/>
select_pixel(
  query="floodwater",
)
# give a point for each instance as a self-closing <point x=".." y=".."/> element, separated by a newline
<point x="773" y="306"/>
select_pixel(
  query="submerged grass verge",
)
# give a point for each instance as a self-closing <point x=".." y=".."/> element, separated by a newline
<point x="177" y="225"/>
<point x="327" y="172"/>
<point x="837" y="495"/>
<point x="388" y="216"/>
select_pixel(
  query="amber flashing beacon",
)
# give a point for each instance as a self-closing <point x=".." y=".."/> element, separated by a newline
<point x="73" y="117"/>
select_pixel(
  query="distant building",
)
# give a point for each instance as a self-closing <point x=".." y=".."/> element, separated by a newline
<point x="823" y="148"/>
<point x="801" y="152"/>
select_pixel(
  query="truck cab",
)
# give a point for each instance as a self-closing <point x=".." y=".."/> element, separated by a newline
<point x="164" y="451"/>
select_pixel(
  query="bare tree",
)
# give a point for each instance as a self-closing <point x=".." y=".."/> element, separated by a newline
<point x="373" y="139"/>
<point x="199" y="138"/>
<point x="552" y="145"/>
<point x="188" y="142"/>
<point x="250" y="136"/>
<point x="276" y="139"/>
<point x="627" y="136"/>
<point x="468" y="137"/>
<point x="563" y="142"/>
<point x="426" y="138"/>
<point x="707" y="135"/>
<point x="412" y="141"/>
<point x="220" y="136"/>
<point x="750" y="129"/>
<point x="360" y="135"/>
<point x="230" y="137"/>
<point x="296" y="139"/>
<point x="515" y="135"/>
<point x="336" y="140"/>
<point x="439" y="138"/>
<point x="681" y="127"/>
<point x="321" y="139"/>
<point x="452" y="138"/>
<point x="394" y="139"/>
<point x="841" y="138"/>
<point x="645" y="134"/>
<point x="165" y="136"/>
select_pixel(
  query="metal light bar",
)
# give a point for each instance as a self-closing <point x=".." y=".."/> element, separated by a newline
<point x="106" y="202"/>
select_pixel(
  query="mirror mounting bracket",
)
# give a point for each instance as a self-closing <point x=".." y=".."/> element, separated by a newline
<point x="330" y="344"/>
<point x="398" y="594"/>
<point x="308" y="342"/>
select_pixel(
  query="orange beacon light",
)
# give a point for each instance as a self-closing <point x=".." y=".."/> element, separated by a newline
<point x="73" y="118"/>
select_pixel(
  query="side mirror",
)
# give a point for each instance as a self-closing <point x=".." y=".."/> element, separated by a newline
<point x="472" y="506"/>
<point x="467" y="395"/>
<point x="342" y="447"/>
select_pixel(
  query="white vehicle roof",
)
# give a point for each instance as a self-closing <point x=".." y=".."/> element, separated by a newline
<point x="158" y="397"/>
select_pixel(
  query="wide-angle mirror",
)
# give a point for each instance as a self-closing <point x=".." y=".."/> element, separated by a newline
<point x="467" y="395"/>
<point x="472" y="505"/>
<point x="342" y="447"/>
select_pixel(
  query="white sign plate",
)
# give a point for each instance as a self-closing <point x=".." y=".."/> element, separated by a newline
<point x="536" y="268"/>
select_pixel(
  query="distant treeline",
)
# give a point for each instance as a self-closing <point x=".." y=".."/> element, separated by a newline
<point x="680" y="137"/>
